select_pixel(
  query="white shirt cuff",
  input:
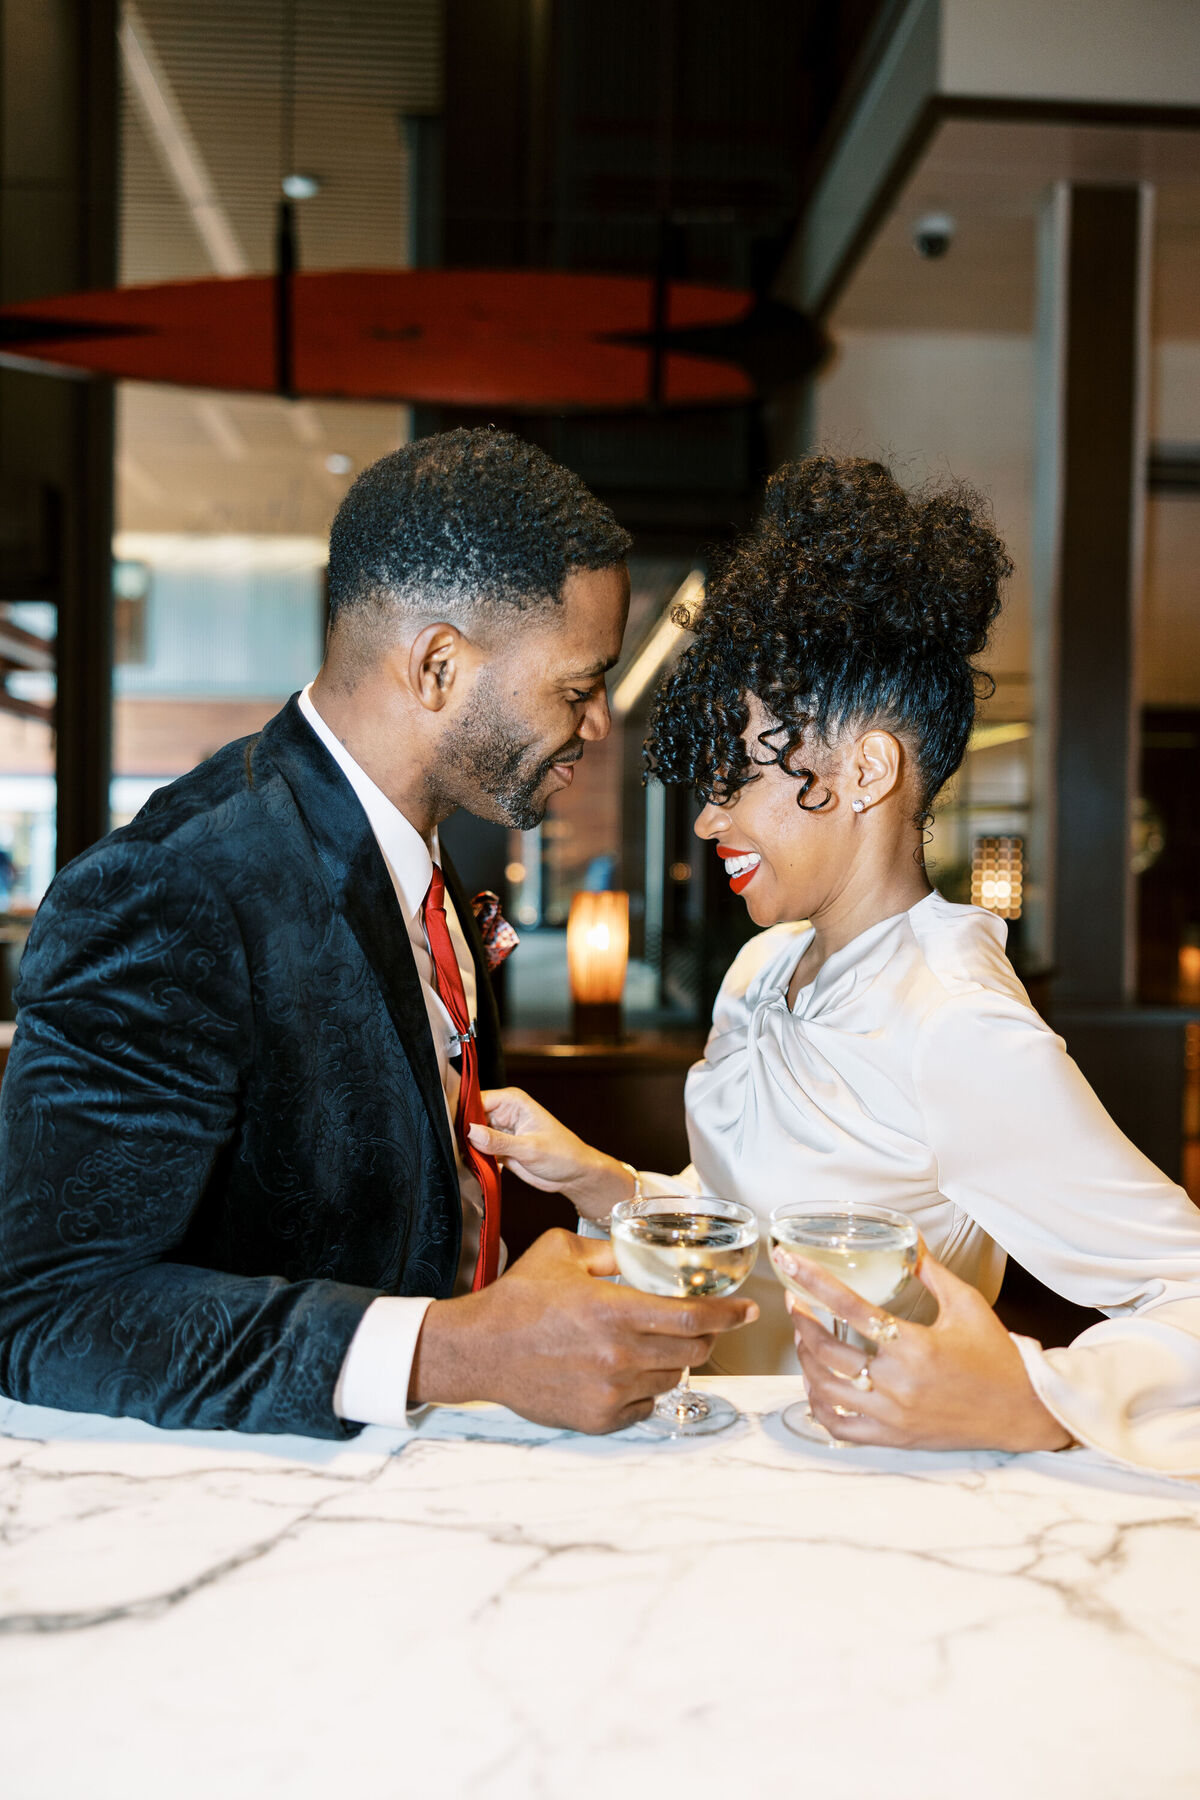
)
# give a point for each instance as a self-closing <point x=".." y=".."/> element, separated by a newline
<point x="372" y="1388"/>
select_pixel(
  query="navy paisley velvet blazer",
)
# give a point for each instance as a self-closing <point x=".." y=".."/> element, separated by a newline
<point x="222" y="1131"/>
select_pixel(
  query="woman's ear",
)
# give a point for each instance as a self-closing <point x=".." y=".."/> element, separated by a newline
<point x="877" y="768"/>
<point x="433" y="665"/>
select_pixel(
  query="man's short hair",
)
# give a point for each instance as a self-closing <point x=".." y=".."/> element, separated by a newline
<point x="466" y="519"/>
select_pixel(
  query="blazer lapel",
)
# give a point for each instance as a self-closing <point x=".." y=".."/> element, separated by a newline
<point x="363" y="892"/>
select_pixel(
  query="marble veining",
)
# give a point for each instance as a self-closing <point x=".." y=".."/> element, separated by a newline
<point x="480" y="1607"/>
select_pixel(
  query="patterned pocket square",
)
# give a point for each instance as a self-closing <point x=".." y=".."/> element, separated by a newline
<point x="499" y="938"/>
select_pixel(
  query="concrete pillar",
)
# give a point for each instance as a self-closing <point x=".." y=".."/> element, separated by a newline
<point x="58" y="158"/>
<point x="1092" y="334"/>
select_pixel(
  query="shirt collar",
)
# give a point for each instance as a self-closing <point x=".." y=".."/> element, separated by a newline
<point x="409" y="858"/>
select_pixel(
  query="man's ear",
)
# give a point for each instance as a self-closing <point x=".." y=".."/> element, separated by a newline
<point x="435" y="661"/>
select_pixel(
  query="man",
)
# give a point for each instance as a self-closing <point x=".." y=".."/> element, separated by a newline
<point x="237" y="1184"/>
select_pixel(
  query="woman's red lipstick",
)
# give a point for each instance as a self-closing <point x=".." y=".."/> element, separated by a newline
<point x="743" y="879"/>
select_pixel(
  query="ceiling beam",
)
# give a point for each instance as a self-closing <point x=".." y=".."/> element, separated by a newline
<point x="1077" y="62"/>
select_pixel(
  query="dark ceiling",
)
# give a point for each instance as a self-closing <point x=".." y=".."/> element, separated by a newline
<point x="636" y="136"/>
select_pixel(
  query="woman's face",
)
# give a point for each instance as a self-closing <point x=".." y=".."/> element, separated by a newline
<point x="785" y="861"/>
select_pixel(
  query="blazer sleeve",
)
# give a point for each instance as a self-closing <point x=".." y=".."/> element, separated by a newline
<point x="135" y="1024"/>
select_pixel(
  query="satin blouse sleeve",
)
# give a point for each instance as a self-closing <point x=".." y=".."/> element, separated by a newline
<point x="1025" y="1148"/>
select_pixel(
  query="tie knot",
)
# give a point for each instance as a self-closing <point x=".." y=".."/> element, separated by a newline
<point x="435" y="899"/>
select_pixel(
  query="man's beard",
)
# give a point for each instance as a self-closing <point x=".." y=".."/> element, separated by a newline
<point x="491" y="751"/>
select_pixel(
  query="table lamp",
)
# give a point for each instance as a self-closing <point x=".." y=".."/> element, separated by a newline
<point x="597" y="954"/>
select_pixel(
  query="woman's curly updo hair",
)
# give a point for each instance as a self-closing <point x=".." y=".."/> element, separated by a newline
<point x="853" y="603"/>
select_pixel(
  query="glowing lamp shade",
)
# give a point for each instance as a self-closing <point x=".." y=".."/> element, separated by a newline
<point x="597" y="954"/>
<point x="998" y="875"/>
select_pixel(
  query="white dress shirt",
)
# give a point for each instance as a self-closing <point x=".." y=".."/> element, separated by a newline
<point x="372" y="1388"/>
<point x="914" y="1072"/>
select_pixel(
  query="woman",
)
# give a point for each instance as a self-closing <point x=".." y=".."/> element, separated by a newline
<point x="885" y="1049"/>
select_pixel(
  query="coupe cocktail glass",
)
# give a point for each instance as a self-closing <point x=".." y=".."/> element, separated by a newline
<point x="685" y="1245"/>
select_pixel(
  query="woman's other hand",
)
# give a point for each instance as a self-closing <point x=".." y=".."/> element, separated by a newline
<point x="957" y="1384"/>
<point x="543" y="1152"/>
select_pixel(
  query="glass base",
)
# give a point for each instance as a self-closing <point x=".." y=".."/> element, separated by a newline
<point x="800" y="1422"/>
<point x="689" y="1414"/>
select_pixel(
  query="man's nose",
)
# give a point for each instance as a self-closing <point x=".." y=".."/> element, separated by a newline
<point x="597" y="720"/>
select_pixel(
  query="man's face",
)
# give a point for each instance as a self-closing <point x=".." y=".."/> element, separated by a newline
<point x="536" y="703"/>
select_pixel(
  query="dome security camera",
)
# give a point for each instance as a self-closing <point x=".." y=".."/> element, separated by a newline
<point x="933" y="235"/>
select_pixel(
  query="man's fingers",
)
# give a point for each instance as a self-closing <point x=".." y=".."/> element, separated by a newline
<point x="596" y="1256"/>
<point x="635" y="1412"/>
<point x="690" y="1351"/>
<point x="659" y="1317"/>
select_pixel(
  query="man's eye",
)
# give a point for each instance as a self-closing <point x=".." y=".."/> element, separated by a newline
<point x="585" y="694"/>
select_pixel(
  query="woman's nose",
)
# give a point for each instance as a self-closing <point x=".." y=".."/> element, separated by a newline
<point x="711" y="823"/>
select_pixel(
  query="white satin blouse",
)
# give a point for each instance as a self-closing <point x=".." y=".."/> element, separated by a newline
<point x="914" y="1072"/>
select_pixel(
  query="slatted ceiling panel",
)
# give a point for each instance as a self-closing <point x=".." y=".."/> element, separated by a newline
<point x="279" y="485"/>
<point x="359" y="67"/>
<point x="158" y="239"/>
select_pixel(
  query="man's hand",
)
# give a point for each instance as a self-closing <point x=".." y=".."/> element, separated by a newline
<point x="535" y="1146"/>
<point x="956" y="1384"/>
<point x="561" y="1347"/>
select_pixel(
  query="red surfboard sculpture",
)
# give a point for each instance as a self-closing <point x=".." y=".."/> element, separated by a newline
<point x="532" y="340"/>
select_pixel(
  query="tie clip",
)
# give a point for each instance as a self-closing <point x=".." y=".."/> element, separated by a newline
<point x="454" y="1047"/>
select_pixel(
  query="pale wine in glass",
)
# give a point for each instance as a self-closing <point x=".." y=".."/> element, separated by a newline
<point x="680" y="1245"/>
<point x="870" y="1249"/>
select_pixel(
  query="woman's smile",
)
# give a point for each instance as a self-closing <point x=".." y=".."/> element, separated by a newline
<point x="740" y="866"/>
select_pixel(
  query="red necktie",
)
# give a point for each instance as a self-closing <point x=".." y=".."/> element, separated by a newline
<point x="470" y="1102"/>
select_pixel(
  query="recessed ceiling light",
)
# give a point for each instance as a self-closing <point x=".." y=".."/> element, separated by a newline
<point x="338" y="464"/>
<point x="301" y="187"/>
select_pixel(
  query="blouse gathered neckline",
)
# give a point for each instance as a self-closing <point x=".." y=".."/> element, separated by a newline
<point x="847" y="954"/>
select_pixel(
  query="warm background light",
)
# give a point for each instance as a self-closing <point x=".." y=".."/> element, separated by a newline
<point x="998" y="875"/>
<point x="598" y="947"/>
<point x="597" y="954"/>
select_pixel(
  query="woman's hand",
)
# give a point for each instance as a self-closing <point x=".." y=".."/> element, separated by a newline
<point x="535" y="1146"/>
<point x="956" y="1384"/>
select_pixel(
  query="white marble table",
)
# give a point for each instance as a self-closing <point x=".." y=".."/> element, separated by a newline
<point x="481" y="1608"/>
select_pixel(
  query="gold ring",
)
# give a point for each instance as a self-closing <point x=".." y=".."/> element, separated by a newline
<point x="883" y="1330"/>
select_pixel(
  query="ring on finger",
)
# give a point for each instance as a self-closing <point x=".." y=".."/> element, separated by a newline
<point x="862" y="1381"/>
<point x="882" y="1329"/>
